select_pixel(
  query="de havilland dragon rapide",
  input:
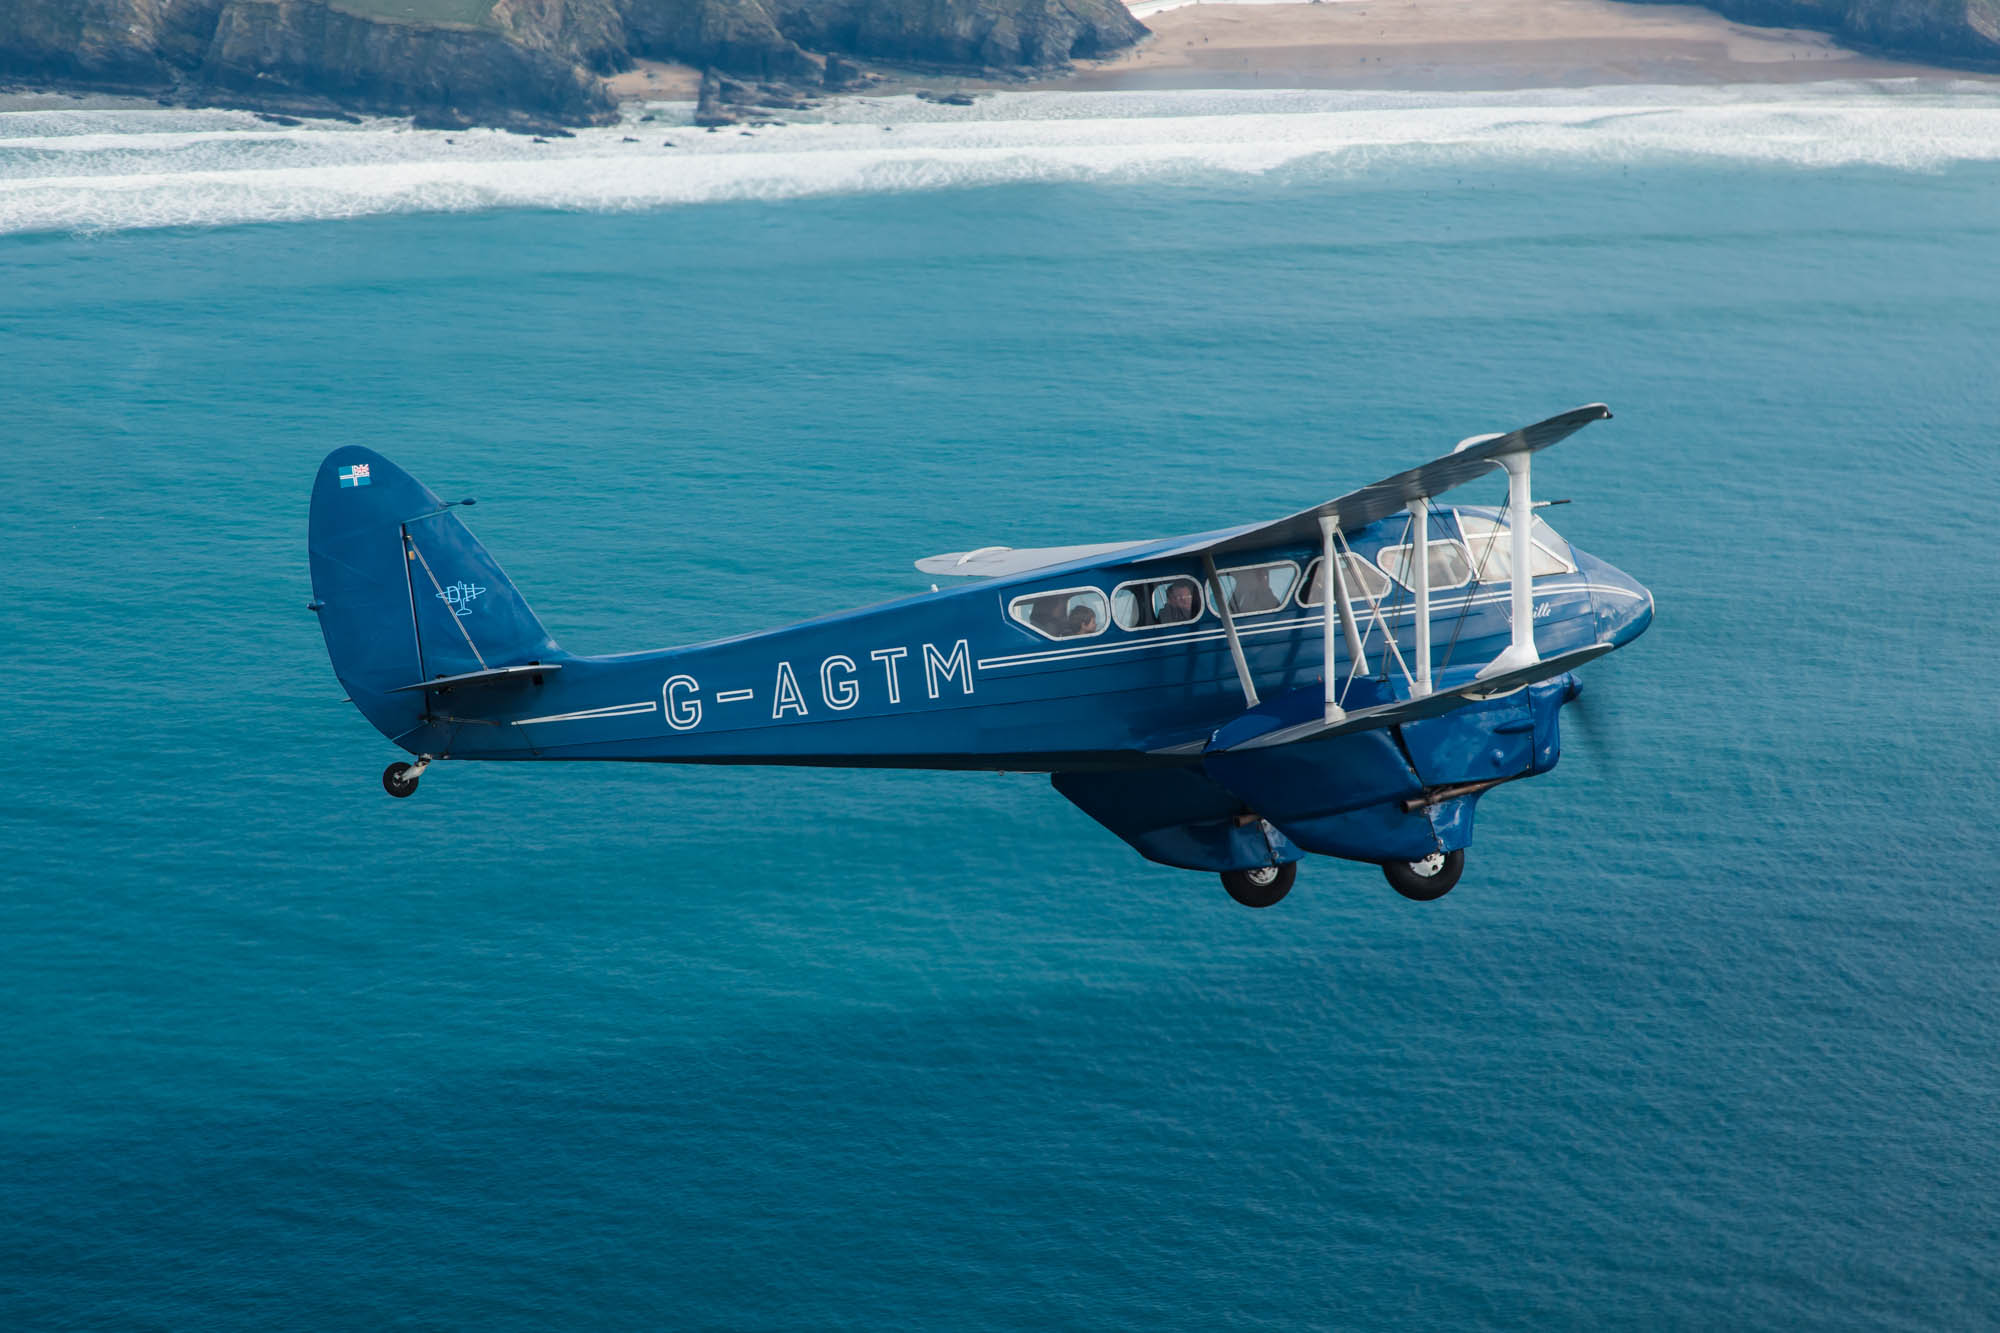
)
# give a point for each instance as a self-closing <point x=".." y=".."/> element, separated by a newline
<point x="1347" y="680"/>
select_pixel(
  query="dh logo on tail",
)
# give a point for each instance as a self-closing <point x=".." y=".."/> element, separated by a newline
<point x="458" y="596"/>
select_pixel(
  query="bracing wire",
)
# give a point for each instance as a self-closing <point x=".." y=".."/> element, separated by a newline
<point x="1465" y="608"/>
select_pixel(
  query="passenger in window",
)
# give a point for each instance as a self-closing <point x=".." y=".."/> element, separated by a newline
<point x="1253" y="593"/>
<point x="1046" y="615"/>
<point x="1082" y="621"/>
<point x="1179" y="604"/>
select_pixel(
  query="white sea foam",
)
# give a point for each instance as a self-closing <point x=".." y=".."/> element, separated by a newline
<point x="86" y="170"/>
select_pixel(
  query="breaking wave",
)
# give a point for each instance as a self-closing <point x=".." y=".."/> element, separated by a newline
<point x="83" y="170"/>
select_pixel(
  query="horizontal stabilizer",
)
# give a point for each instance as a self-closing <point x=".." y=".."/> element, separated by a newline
<point x="1396" y="712"/>
<point x="489" y="676"/>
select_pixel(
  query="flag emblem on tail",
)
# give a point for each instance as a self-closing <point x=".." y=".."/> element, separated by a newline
<point x="354" y="476"/>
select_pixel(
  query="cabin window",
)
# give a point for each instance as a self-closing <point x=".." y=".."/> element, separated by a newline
<point x="1364" y="582"/>
<point x="1448" y="565"/>
<point x="1554" y="544"/>
<point x="1067" y="613"/>
<point x="1255" y="589"/>
<point x="1491" y="544"/>
<point x="1153" y="603"/>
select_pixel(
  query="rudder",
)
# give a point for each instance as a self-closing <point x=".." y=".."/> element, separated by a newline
<point x="405" y="592"/>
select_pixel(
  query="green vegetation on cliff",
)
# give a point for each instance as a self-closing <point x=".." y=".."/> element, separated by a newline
<point x="463" y="13"/>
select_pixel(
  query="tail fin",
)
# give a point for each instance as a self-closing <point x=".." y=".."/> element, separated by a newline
<point x="405" y="592"/>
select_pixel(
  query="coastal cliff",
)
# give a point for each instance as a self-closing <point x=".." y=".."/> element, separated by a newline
<point x="1951" y="32"/>
<point x="523" y="62"/>
<point x="308" y="56"/>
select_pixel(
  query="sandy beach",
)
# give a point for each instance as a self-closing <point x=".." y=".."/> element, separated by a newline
<point x="1415" y="45"/>
<point x="1470" y="44"/>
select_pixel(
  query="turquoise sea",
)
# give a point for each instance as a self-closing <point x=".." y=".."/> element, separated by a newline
<point x="1709" y="1035"/>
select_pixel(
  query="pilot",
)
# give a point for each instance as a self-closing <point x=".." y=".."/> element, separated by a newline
<point x="1179" y="605"/>
<point x="1083" y="620"/>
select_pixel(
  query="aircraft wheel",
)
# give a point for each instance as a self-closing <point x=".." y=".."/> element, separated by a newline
<point x="1262" y="886"/>
<point x="396" y="780"/>
<point x="1432" y="877"/>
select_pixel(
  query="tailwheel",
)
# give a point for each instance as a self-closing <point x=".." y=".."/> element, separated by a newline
<point x="400" y="780"/>
<point x="1260" y="886"/>
<point x="1432" y="877"/>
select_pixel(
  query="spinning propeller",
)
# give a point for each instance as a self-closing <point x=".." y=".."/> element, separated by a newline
<point x="1589" y="719"/>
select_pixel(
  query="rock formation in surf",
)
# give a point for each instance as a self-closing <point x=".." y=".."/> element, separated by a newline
<point x="523" y="62"/>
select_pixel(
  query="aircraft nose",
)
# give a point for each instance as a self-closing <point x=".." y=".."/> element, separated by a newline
<point x="1624" y="605"/>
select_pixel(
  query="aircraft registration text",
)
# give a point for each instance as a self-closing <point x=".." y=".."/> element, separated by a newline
<point x="842" y="684"/>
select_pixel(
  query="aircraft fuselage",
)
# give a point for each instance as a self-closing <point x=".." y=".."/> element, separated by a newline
<point x="951" y="680"/>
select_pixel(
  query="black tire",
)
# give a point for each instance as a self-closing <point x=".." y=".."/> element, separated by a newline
<point x="1262" y="886"/>
<point x="395" y="781"/>
<point x="1410" y="879"/>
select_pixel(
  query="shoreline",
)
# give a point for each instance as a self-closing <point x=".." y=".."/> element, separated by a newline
<point x="1417" y="46"/>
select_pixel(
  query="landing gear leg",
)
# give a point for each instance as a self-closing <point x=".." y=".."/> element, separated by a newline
<point x="399" y="780"/>
<point x="1428" y="879"/>
<point x="1261" y="886"/>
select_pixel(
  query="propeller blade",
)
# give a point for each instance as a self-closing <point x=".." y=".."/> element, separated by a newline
<point x="1591" y="712"/>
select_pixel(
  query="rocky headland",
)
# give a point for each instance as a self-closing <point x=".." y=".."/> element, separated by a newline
<point x="1949" y="32"/>
<point x="522" y="63"/>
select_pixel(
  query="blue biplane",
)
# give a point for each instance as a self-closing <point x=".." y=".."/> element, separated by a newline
<point x="1215" y="700"/>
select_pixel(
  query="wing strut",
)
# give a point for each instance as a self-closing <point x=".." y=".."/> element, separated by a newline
<point x="1334" y="604"/>
<point x="1327" y="574"/>
<point x="1376" y="620"/>
<point x="1229" y="628"/>
<point x="1420" y="584"/>
<point x="1520" y="651"/>
<point x="1357" y="642"/>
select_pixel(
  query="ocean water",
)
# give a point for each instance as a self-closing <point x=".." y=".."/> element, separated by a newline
<point x="1706" y="1036"/>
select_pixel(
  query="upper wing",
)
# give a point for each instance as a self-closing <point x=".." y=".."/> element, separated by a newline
<point x="1358" y="509"/>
